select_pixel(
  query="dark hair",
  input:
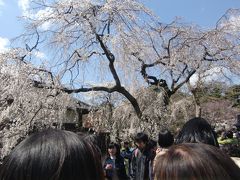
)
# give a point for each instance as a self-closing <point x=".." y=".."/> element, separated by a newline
<point x="229" y="134"/>
<point x="165" y="138"/>
<point x="195" y="161"/>
<point x="126" y="143"/>
<point x="141" y="137"/>
<point x="150" y="148"/>
<point x="152" y="144"/>
<point x="94" y="141"/>
<point x="197" y="130"/>
<point x="112" y="145"/>
<point x="52" y="154"/>
<point x="92" y="138"/>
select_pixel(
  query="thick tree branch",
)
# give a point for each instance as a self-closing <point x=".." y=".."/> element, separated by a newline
<point x="116" y="88"/>
<point x="147" y="78"/>
<point x="111" y="59"/>
<point x="183" y="82"/>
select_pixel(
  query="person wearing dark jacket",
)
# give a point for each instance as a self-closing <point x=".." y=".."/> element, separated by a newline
<point x="114" y="164"/>
<point x="127" y="155"/>
<point x="140" y="158"/>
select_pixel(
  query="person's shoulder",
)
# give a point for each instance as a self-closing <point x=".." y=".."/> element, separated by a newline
<point x="135" y="152"/>
<point x="132" y="149"/>
<point x="160" y="153"/>
<point x="120" y="157"/>
<point x="107" y="159"/>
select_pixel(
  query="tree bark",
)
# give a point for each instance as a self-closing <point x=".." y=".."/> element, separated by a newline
<point x="198" y="108"/>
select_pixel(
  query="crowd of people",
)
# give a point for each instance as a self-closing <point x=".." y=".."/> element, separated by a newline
<point x="62" y="155"/>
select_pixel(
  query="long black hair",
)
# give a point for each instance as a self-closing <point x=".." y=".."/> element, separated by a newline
<point x="197" y="130"/>
<point x="52" y="154"/>
<point x="118" y="148"/>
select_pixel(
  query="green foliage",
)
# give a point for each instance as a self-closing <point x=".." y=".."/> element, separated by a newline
<point x="233" y="94"/>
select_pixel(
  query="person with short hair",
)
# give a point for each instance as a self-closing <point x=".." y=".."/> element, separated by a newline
<point x="196" y="161"/>
<point x="53" y="155"/>
<point x="165" y="140"/>
<point x="197" y="130"/>
<point x="140" y="158"/>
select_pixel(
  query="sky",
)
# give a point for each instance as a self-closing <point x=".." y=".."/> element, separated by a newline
<point x="202" y="12"/>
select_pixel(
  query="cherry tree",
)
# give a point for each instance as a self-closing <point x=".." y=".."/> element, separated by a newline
<point x="121" y="40"/>
<point x="179" y="51"/>
<point x="23" y="107"/>
<point x="225" y="66"/>
<point x="90" y="33"/>
<point x="113" y="46"/>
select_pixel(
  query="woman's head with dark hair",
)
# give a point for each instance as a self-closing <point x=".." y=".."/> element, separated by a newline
<point x="195" y="161"/>
<point x="197" y="130"/>
<point x="52" y="154"/>
<point x="113" y="149"/>
<point x="165" y="138"/>
<point x="152" y="144"/>
<point x="141" y="140"/>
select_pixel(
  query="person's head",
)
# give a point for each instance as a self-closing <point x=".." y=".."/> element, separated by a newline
<point x="151" y="148"/>
<point x="165" y="138"/>
<point x="52" y="154"/>
<point x="126" y="144"/>
<point x="113" y="149"/>
<point x="197" y="130"/>
<point x="229" y="134"/>
<point x="152" y="145"/>
<point x="141" y="140"/>
<point x="195" y="161"/>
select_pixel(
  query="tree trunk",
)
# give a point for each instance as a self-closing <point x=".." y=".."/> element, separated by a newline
<point x="198" y="108"/>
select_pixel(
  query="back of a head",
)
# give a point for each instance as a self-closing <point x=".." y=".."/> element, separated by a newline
<point x="165" y="138"/>
<point x="152" y="144"/>
<point x="141" y="137"/>
<point x="197" y="130"/>
<point x="195" y="161"/>
<point x="52" y="154"/>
